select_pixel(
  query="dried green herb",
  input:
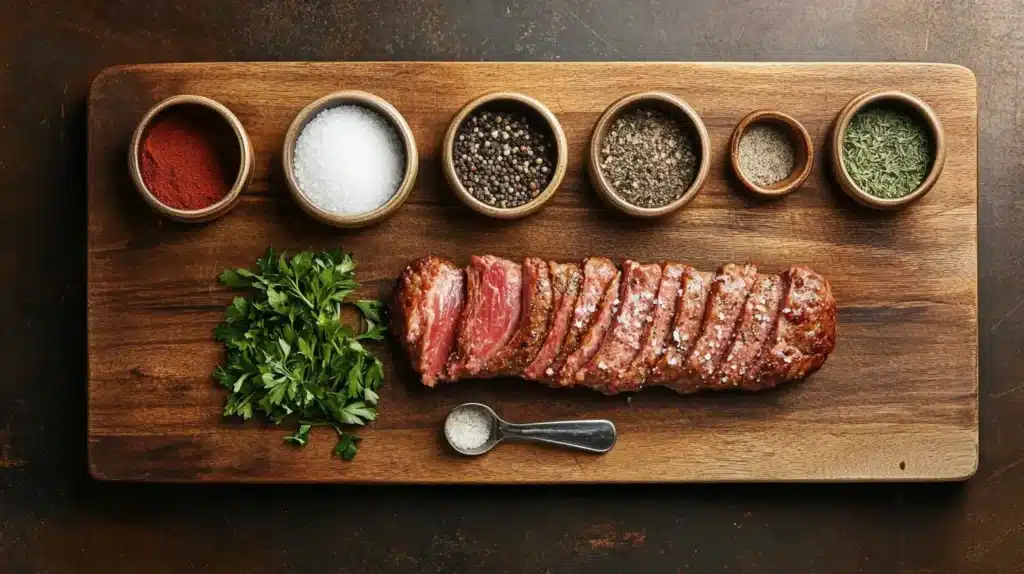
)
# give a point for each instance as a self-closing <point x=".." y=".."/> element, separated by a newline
<point x="887" y="153"/>
<point x="289" y="356"/>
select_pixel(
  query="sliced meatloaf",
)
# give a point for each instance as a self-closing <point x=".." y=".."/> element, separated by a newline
<point x="756" y="322"/>
<point x="595" y="333"/>
<point x="534" y="322"/>
<point x="805" y="331"/>
<point x="565" y="287"/>
<point x="621" y="343"/>
<point x="491" y="313"/>
<point x="428" y="304"/>
<point x="598" y="274"/>
<point x="653" y="342"/>
<point x="670" y="370"/>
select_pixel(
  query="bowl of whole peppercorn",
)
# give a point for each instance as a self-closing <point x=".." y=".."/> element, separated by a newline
<point x="504" y="155"/>
<point x="649" y="154"/>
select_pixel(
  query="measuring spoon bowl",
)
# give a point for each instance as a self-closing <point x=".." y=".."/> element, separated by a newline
<point x="596" y="436"/>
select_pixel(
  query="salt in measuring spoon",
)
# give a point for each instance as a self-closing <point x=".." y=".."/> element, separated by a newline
<point x="596" y="436"/>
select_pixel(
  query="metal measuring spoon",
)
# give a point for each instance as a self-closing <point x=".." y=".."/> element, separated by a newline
<point x="589" y="435"/>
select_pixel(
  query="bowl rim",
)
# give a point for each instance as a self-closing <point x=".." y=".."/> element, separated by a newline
<point x="798" y="133"/>
<point x="613" y="111"/>
<point x="561" y="155"/>
<point x="923" y="110"/>
<point x="245" y="164"/>
<point x="376" y="104"/>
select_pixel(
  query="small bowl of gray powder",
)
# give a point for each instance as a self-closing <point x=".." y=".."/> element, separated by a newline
<point x="771" y="153"/>
<point x="350" y="159"/>
<point x="649" y="154"/>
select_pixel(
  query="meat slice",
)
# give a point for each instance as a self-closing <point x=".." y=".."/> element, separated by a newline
<point x="725" y="303"/>
<point x="591" y="340"/>
<point x="534" y="321"/>
<point x="756" y="322"/>
<point x="653" y="342"/>
<point x="598" y="274"/>
<point x="805" y="331"/>
<point x="565" y="287"/>
<point x="493" y="300"/>
<point x="689" y="318"/>
<point x="621" y="344"/>
<point x="428" y="304"/>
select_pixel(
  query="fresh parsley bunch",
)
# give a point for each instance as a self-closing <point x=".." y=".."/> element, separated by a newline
<point x="288" y="354"/>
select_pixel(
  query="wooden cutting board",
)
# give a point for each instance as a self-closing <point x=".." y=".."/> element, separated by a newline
<point x="898" y="400"/>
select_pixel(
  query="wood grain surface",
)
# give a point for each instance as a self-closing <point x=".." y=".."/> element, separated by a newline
<point x="896" y="401"/>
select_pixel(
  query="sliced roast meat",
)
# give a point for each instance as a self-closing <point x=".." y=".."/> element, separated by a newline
<point x="725" y="303"/>
<point x="534" y="321"/>
<point x="620" y="345"/>
<point x="650" y="325"/>
<point x="804" y="335"/>
<point x="565" y="287"/>
<point x="653" y="342"/>
<point x="491" y="313"/>
<point x="591" y="340"/>
<point x="756" y="322"/>
<point x="598" y="273"/>
<point x="428" y="304"/>
<point x="670" y="370"/>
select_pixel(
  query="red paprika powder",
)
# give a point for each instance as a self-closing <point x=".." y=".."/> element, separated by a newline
<point x="189" y="157"/>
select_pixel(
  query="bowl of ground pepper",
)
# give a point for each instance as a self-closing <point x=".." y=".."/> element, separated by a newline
<point x="504" y="155"/>
<point x="887" y="149"/>
<point x="649" y="154"/>
<point x="771" y="153"/>
<point x="190" y="158"/>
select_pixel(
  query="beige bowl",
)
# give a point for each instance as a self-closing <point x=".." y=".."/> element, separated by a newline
<point x="372" y="102"/>
<point x="518" y="102"/>
<point x="673" y="106"/>
<point x="245" y="160"/>
<point x="897" y="99"/>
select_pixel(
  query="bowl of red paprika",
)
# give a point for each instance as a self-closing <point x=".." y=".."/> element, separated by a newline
<point x="190" y="158"/>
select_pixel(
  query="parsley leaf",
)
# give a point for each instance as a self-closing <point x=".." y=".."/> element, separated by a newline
<point x="289" y="357"/>
<point x="346" y="447"/>
<point x="301" y="436"/>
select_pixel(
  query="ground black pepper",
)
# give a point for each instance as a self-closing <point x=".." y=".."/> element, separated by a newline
<point x="648" y="157"/>
<point x="502" y="158"/>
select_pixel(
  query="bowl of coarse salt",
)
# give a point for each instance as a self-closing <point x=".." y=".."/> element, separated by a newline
<point x="350" y="159"/>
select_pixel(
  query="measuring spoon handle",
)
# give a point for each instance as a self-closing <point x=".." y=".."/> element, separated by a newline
<point x="591" y="436"/>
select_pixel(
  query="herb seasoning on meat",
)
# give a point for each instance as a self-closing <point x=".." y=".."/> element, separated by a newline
<point x="648" y="157"/>
<point x="503" y="159"/>
<point x="886" y="152"/>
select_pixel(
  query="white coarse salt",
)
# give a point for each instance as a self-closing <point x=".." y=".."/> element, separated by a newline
<point x="349" y="160"/>
<point x="468" y="428"/>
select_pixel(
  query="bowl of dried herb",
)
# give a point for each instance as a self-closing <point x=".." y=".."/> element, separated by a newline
<point x="888" y="149"/>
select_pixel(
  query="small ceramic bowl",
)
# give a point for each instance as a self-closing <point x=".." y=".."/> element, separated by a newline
<point x="803" y="156"/>
<point x="898" y="100"/>
<point x="534" y="110"/>
<point x="382" y="107"/>
<point x="666" y="103"/>
<point x="245" y="160"/>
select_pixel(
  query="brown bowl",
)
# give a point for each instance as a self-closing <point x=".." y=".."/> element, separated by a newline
<point x="509" y="101"/>
<point x="245" y="161"/>
<point x="803" y="157"/>
<point x="382" y="107"/>
<point x="668" y="104"/>
<point x="897" y="99"/>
